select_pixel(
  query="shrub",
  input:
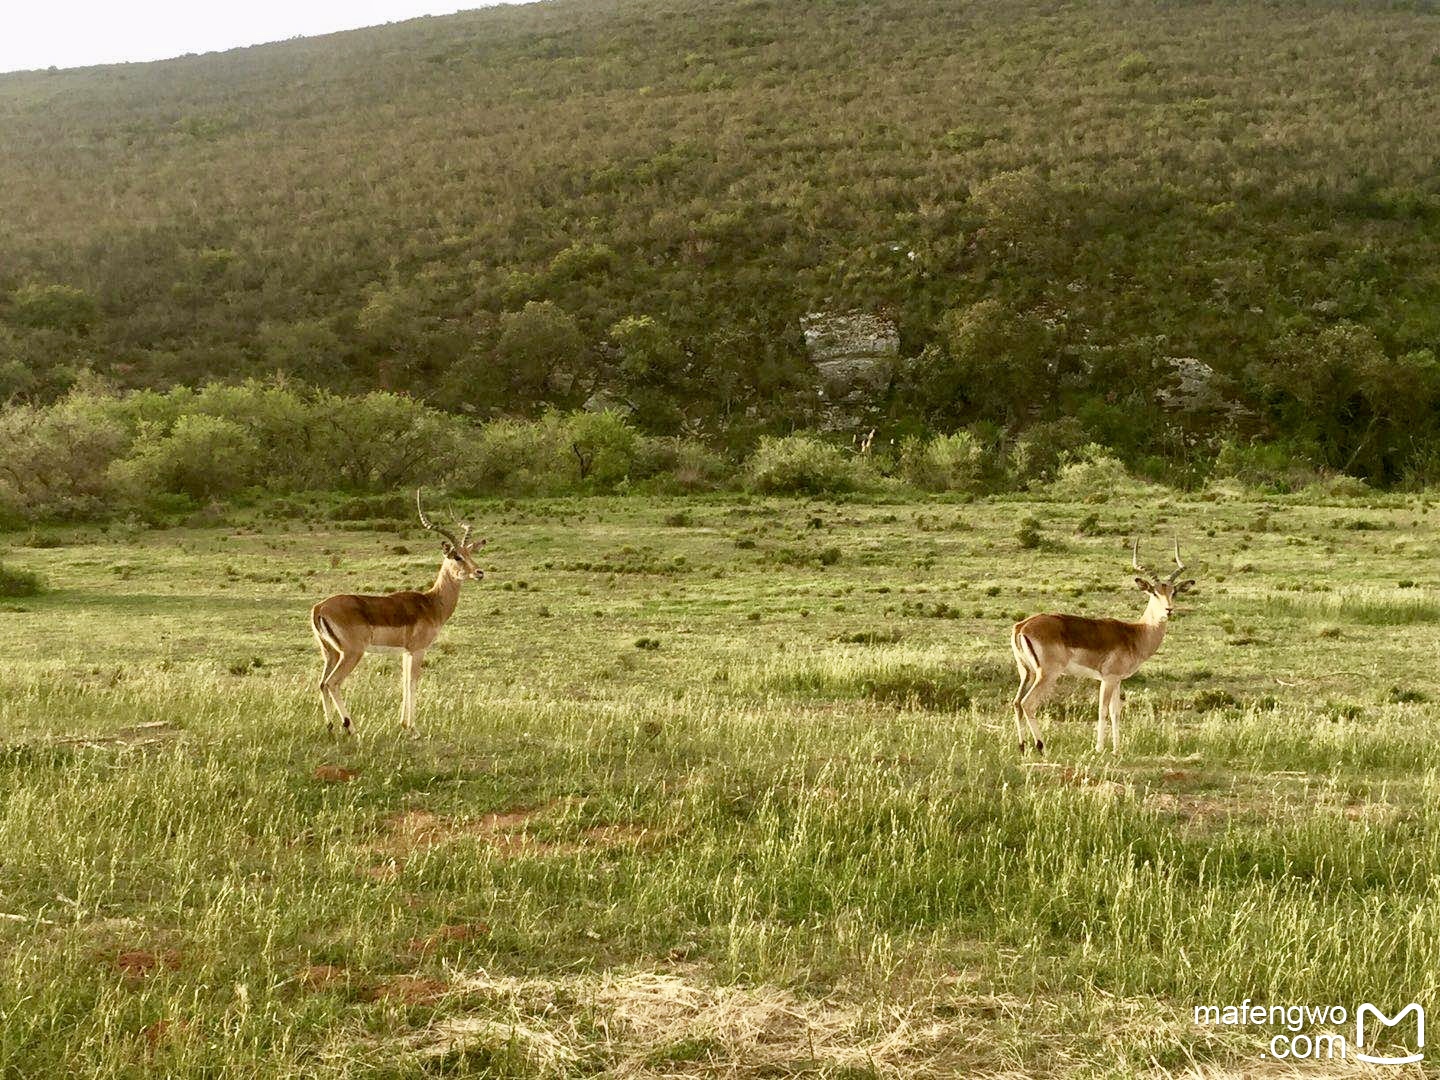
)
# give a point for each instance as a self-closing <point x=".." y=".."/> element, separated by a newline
<point x="54" y="307"/>
<point x="803" y="464"/>
<point x="603" y="446"/>
<point x="1134" y="66"/>
<point x="680" y="464"/>
<point x="19" y="582"/>
<point x="56" y="459"/>
<point x="1210" y="700"/>
<point x="1094" y="476"/>
<point x="911" y="689"/>
<point x="1339" y="486"/>
<point x="1028" y="534"/>
<point x="202" y="457"/>
<point x="955" y="462"/>
<point x="1041" y="450"/>
<point x="556" y="453"/>
<point x="1272" y="466"/>
<point x="395" y="507"/>
<point x="517" y="457"/>
<point x="381" y="441"/>
<point x="1407" y="696"/>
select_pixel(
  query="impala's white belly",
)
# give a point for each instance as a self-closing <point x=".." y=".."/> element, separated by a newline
<point x="1074" y="668"/>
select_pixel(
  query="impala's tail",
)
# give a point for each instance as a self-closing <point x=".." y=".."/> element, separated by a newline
<point x="324" y="632"/>
<point x="1024" y="649"/>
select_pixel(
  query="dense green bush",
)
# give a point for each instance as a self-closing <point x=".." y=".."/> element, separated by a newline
<point x="201" y="456"/>
<point x="517" y="457"/>
<point x="680" y="464"/>
<point x="54" y="307"/>
<point x="56" y="460"/>
<point x="1093" y="475"/>
<point x="97" y="454"/>
<point x="1272" y="466"/>
<point x="957" y="462"/>
<point x="19" y="582"/>
<point x="804" y="464"/>
<point x="1039" y="452"/>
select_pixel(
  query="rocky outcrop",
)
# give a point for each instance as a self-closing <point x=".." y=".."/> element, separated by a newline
<point x="854" y="354"/>
<point x="1192" y="387"/>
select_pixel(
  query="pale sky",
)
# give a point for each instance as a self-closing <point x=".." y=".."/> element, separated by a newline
<point x="74" y="33"/>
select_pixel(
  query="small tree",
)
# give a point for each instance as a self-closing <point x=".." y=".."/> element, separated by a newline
<point x="541" y="350"/>
<point x="54" y="307"/>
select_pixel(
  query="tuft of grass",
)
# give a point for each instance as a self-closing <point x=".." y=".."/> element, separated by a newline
<point x="1210" y="700"/>
<point x="1406" y="695"/>
<point x="870" y="637"/>
<point x="1028" y="534"/>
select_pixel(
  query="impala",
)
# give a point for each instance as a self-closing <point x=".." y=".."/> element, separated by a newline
<point x="348" y="626"/>
<point x="1108" y="650"/>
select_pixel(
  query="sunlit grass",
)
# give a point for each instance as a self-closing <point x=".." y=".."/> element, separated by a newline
<point x="788" y="833"/>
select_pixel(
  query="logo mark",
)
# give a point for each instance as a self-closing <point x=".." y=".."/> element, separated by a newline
<point x="1387" y="1022"/>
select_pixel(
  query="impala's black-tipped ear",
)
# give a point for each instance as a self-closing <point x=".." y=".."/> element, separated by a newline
<point x="1185" y="586"/>
<point x="1140" y="581"/>
<point x="447" y="547"/>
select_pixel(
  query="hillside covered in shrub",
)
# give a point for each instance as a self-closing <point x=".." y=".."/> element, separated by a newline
<point x="504" y="211"/>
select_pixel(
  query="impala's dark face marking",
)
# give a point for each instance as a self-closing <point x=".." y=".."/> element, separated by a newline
<point x="1164" y="591"/>
<point x="463" y="558"/>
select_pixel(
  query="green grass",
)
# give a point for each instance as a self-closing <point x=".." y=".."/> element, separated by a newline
<point x="791" y="836"/>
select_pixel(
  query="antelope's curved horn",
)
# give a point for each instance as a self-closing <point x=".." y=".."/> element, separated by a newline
<point x="1179" y="566"/>
<point x="431" y="525"/>
<point x="1135" y="560"/>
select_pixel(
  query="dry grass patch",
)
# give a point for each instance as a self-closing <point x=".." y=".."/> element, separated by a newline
<point x="678" y="1024"/>
<point x="509" y="832"/>
<point x="151" y="733"/>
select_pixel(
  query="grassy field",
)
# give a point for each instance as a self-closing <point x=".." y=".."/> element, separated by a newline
<point x="722" y="787"/>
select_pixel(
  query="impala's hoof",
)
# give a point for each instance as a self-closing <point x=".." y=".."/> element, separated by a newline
<point x="1039" y="746"/>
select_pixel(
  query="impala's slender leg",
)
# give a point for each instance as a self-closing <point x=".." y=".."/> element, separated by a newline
<point x="405" y="685"/>
<point x="338" y="674"/>
<point x="1117" y="700"/>
<point x="412" y="664"/>
<point x="1108" y="689"/>
<point x="1033" y="699"/>
<point x="1025" y="677"/>
<point x="332" y="658"/>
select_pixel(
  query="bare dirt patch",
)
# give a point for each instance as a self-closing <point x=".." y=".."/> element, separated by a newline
<point x="136" y="964"/>
<point x="406" y="990"/>
<point x="334" y="774"/>
<point x="449" y="934"/>
<point x="323" y="977"/>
